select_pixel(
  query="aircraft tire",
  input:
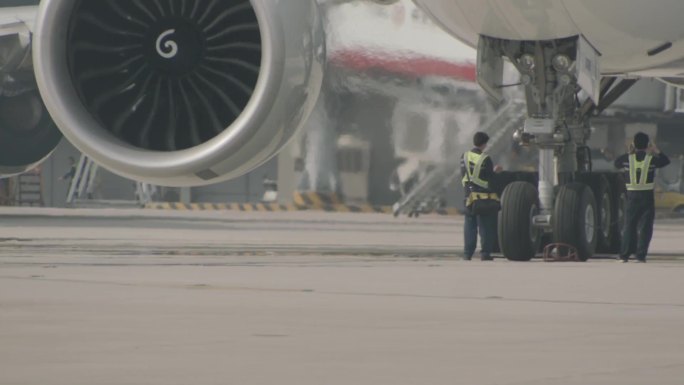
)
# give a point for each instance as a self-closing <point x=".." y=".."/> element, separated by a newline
<point x="619" y="202"/>
<point x="574" y="220"/>
<point x="518" y="238"/>
<point x="605" y="211"/>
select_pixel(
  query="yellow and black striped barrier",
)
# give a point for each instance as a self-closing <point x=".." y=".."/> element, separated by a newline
<point x="222" y="206"/>
<point x="316" y="199"/>
<point x="276" y="207"/>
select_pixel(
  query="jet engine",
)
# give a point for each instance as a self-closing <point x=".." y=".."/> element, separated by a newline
<point x="27" y="134"/>
<point x="179" y="92"/>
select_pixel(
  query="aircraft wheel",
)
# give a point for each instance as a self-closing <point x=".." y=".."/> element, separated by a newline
<point x="518" y="238"/>
<point x="575" y="219"/>
<point x="605" y="210"/>
<point x="619" y="203"/>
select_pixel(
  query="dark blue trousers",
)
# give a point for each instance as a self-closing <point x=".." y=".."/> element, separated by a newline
<point x="486" y="225"/>
<point x="639" y="216"/>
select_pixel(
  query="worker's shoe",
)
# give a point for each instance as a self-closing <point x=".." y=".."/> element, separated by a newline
<point x="467" y="257"/>
<point x="486" y="258"/>
<point x="622" y="260"/>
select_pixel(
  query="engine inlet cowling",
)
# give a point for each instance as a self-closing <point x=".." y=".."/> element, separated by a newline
<point x="179" y="92"/>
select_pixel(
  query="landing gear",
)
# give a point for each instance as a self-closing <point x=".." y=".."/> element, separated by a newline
<point x="570" y="205"/>
<point x="574" y="219"/>
<point x="519" y="238"/>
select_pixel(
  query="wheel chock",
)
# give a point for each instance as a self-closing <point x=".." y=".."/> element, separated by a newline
<point x="560" y="252"/>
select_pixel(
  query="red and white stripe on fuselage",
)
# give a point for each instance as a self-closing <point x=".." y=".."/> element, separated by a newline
<point x="411" y="67"/>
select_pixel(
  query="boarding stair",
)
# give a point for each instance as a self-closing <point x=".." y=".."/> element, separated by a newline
<point x="83" y="189"/>
<point x="424" y="197"/>
<point x="82" y="182"/>
<point x="29" y="188"/>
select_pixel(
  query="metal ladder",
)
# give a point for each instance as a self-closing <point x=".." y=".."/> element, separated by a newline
<point x="83" y="185"/>
<point x="29" y="188"/>
<point x="501" y="126"/>
<point x="145" y="193"/>
<point x="83" y="180"/>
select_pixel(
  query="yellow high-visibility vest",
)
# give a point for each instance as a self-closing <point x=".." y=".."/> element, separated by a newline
<point x="474" y="175"/>
<point x="640" y="184"/>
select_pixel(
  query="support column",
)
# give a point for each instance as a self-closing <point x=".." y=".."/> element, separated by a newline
<point x="286" y="171"/>
<point x="320" y="182"/>
<point x="186" y="195"/>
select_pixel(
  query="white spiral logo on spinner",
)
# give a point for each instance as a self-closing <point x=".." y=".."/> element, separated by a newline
<point x="170" y="48"/>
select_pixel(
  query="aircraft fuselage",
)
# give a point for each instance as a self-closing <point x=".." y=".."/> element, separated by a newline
<point x="633" y="36"/>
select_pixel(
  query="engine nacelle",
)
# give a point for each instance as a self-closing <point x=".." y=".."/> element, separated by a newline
<point x="27" y="134"/>
<point x="179" y="92"/>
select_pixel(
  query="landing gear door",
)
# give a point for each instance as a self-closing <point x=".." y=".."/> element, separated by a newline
<point x="490" y="68"/>
<point x="589" y="69"/>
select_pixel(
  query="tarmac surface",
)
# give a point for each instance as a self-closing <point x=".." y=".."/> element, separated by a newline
<point x="150" y="297"/>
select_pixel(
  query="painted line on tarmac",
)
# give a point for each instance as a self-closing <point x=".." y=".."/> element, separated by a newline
<point x="276" y="207"/>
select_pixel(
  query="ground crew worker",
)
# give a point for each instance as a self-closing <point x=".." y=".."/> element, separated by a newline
<point x="639" y="167"/>
<point x="477" y="170"/>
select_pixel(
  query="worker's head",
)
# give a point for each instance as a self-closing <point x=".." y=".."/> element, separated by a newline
<point x="480" y="139"/>
<point x="641" y="141"/>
